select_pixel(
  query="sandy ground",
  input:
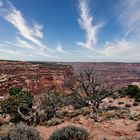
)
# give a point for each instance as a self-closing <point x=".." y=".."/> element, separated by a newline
<point x="112" y="130"/>
<point x="115" y="129"/>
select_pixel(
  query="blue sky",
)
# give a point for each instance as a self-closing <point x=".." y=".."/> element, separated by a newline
<point x="70" y="30"/>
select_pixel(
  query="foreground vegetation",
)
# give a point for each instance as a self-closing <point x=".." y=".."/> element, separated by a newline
<point x="86" y="98"/>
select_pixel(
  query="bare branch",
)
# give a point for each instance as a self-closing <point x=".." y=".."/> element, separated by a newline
<point x="24" y="116"/>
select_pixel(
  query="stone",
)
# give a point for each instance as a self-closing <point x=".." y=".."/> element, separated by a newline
<point x="33" y="76"/>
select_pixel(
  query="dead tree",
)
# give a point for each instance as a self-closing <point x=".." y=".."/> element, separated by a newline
<point x="87" y="85"/>
<point x="45" y="110"/>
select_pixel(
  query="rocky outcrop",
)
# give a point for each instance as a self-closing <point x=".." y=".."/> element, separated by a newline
<point x="32" y="76"/>
<point x="37" y="77"/>
<point x="119" y="74"/>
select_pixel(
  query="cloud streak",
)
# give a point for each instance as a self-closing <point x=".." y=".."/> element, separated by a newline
<point x="1" y="3"/>
<point x="86" y="23"/>
<point x="15" y="17"/>
<point x="116" y="48"/>
<point x="60" y="48"/>
<point x="21" y="43"/>
<point x="129" y="15"/>
<point x="29" y="46"/>
<point x="8" y="51"/>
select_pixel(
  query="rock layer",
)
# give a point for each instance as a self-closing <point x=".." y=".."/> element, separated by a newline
<point x="38" y="77"/>
<point x="32" y="76"/>
<point x="117" y="73"/>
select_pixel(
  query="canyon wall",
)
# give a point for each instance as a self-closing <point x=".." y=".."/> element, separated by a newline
<point x="118" y="74"/>
<point x="38" y="77"/>
<point x="32" y="76"/>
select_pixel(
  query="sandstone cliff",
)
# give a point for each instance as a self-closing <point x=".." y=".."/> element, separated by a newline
<point x="119" y="74"/>
<point x="37" y="77"/>
<point x="32" y="76"/>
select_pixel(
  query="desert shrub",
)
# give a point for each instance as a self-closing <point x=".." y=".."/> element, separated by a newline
<point x="74" y="100"/>
<point x="137" y="97"/>
<point x="133" y="90"/>
<point x="53" y="122"/>
<point x="51" y="101"/>
<point x="127" y="105"/>
<point x="138" y="127"/>
<point x="70" y="133"/>
<point x="24" y="132"/>
<point x="11" y="104"/>
<point x="46" y="109"/>
<point x="122" y="92"/>
<point x="113" y="108"/>
<point x="15" y="90"/>
<point x="120" y="103"/>
<point x="85" y="111"/>
<point x="135" y="104"/>
<point x="5" y="138"/>
<point x="73" y="114"/>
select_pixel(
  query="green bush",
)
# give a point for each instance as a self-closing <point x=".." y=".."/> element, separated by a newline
<point x="70" y="133"/>
<point x="11" y="104"/>
<point x="122" y="92"/>
<point x="24" y="132"/>
<point x="15" y="90"/>
<point x="133" y="90"/>
<point x="137" y="98"/>
<point x="50" y="103"/>
<point x="74" y="100"/>
<point x="5" y="138"/>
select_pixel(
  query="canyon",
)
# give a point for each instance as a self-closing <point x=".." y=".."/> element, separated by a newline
<point x="40" y="76"/>
<point x="35" y="77"/>
<point x="118" y="74"/>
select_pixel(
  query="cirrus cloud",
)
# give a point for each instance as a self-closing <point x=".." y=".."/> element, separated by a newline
<point x="15" y="17"/>
<point x="86" y="23"/>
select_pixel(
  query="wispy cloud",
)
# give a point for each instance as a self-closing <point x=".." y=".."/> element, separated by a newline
<point x="60" y="48"/>
<point x="1" y="3"/>
<point x="8" y="51"/>
<point x="21" y="43"/>
<point x="86" y="23"/>
<point x="116" y="48"/>
<point x="42" y="53"/>
<point x="28" y="42"/>
<point x="129" y="14"/>
<point x="12" y="15"/>
<point x="126" y="47"/>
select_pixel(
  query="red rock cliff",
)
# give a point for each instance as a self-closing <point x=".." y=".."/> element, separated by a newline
<point x="35" y="77"/>
<point x="119" y="74"/>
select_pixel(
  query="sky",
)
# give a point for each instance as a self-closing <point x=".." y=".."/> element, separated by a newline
<point x="70" y="30"/>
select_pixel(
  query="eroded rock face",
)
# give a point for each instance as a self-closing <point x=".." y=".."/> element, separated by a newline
<point x="39" y="77"/>
<point x="119" y="74"/>
<point x="34" y="77"/>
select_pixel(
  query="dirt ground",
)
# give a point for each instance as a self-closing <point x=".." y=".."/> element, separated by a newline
<point x="114" y="129"/>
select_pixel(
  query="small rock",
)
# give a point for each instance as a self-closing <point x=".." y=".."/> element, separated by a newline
<point x="138" y="127"/>
<point x="110" y="101"/>
<point x="127" y="105"/>
<point x="113" y="108"/>
<point x="135" y="104"/>
<point x="120" y="103"/>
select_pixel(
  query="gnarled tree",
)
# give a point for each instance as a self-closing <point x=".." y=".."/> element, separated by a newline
<point x="10" y="105"/>
<point x="90" y="89"/>
<point x="48" y="105"/>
